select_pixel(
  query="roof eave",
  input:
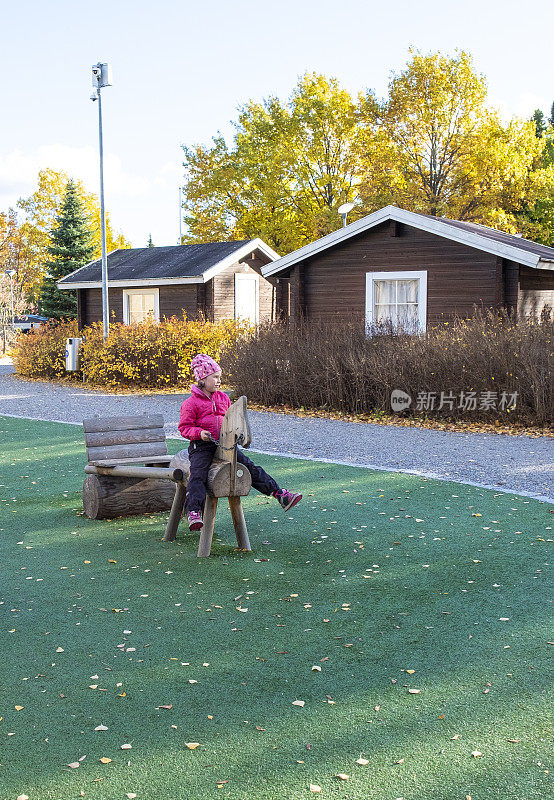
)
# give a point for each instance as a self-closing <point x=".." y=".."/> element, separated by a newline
<point x="432" y="225"/>
<point x="208" y="274"/>
<point x="131" y="283"/>
<point x="236" y="255"/>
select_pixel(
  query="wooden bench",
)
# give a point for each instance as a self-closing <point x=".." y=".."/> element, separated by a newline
<point x="130" y="472"/>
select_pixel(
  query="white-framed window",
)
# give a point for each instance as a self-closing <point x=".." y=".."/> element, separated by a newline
<point x="139" y="304"/>
<point x="397" y="297"/>
<point x="247" y="298"/>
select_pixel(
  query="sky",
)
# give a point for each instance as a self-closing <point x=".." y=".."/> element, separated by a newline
<point x="182" y="69"/>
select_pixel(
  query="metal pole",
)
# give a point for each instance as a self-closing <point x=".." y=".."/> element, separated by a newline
<point x="180" y="216"/>
<point x="105" y="298"/>
<point x="13" y="317"/>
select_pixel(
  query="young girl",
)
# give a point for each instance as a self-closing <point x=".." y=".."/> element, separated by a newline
<point x="201" y="417"/>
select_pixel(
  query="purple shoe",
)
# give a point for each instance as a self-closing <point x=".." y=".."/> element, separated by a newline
<point x="195" y="520"/>
<point x="286" y="499"/>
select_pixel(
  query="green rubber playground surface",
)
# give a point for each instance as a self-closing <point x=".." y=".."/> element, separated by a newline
<point x="389" y="629"/>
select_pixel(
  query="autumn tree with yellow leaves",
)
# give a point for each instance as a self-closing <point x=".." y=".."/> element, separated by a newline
<point x="432" y="146"/>
<point x="28" y="229"/>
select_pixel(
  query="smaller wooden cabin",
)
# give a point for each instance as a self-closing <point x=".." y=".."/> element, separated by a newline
<point x="415" y="271"/>
<point x="216" y="280"/>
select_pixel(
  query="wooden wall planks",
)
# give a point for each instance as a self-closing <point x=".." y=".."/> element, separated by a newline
<point x="333" y="282"/>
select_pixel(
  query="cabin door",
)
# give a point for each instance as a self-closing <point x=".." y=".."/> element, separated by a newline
<point x="247" y="298"/>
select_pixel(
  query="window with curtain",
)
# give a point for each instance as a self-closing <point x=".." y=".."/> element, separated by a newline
<point x="399" y="298"/>
<point x="140" y="304"/>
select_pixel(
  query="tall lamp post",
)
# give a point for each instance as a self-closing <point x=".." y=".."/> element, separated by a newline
<point x="101" y="77"/>
<point x="180" y="215"/>
<point x="10" y="273"/>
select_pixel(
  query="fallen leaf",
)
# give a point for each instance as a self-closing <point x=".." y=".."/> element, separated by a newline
<point x="315" y="668"/>
<point x="514" y="741"/>
<point x="18" y="708"/>
<point x="193" y="681"/>
<point x="74" y="765"/>
<point x="400" y="761"/>
<point x="105" y="760"/>
<point x="314" y="787"/>
<point x="300" y="703"/>
<point x="112" y="561"/>
<point x="23" y="797"/>
<point x="125" y="747"/>
<point x="342" y="776"/>
<point x="192" y="745"/>
<point x="410" y="671"/>
<point x="167" y="707"/>
<point x="362" y="761"/>
<point x="130" y="795"/>
<point x="476" y="753"/>
<point x="414" y="691"/>
<point x="60" y="650"/>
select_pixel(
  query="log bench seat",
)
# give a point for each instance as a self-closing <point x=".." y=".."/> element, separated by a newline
<point x="129" y="471"/>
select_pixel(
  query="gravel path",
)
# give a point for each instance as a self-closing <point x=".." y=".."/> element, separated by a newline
<point x="522" y="464"/>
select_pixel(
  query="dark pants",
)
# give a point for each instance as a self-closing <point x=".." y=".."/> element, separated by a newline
<point x="200" y="457"/>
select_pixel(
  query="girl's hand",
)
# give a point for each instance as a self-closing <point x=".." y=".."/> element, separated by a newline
<point x="206" y="436"/>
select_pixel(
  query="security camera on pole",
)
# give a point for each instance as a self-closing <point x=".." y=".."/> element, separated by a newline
<point x="102" y="76"/>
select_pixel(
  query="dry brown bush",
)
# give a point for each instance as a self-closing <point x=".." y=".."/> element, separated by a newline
<point x="336" y="367"/>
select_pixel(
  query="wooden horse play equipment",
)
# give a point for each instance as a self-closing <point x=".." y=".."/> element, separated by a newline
<point x="130" y="472"/>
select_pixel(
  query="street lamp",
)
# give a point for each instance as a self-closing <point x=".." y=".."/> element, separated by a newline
<point x="180" y="214"/>
<point x="10" y="273"/>
<point x="102" y="76"/>
<point x="344" y="210"/>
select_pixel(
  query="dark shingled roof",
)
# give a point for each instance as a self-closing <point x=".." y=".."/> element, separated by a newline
<point x="143" y="263"/>
<point x="541" y="250"/>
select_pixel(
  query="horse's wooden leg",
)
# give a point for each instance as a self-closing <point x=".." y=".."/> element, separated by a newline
<point x="239" y="522"/>
<point x="175" y="514"/>
<point x="205" y="544"/>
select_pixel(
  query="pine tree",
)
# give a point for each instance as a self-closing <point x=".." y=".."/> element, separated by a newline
<point x="540" y="123"/>
<point x="150" y="242"/>
<point x="70" y="248"/>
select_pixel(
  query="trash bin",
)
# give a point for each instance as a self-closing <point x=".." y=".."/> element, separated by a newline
<point x="72" y="354"/>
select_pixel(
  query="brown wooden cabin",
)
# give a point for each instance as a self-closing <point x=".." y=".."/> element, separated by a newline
<point x="216" y="280"/>
<point x="398" y="265"/>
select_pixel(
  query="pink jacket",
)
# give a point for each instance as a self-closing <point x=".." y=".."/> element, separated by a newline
<point x="201" y="413"/>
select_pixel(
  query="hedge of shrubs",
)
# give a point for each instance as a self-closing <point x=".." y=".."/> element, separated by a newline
<point x="471" y="369"/>
<point x="477" y="364"/>
<point x="145" y="355"/>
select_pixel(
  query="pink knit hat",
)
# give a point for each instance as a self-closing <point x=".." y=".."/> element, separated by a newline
<point x="203" y="365"/>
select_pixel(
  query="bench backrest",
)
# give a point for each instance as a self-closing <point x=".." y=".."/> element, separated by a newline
<point x="124" y="437"/>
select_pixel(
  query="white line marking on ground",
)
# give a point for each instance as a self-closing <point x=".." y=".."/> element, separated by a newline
<point x="376" y="468"/>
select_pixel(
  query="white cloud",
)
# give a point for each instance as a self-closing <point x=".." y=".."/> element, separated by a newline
<point x="170" y="174"/>
<point x="19" y="169"/>
<point x="521" y="106"/>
